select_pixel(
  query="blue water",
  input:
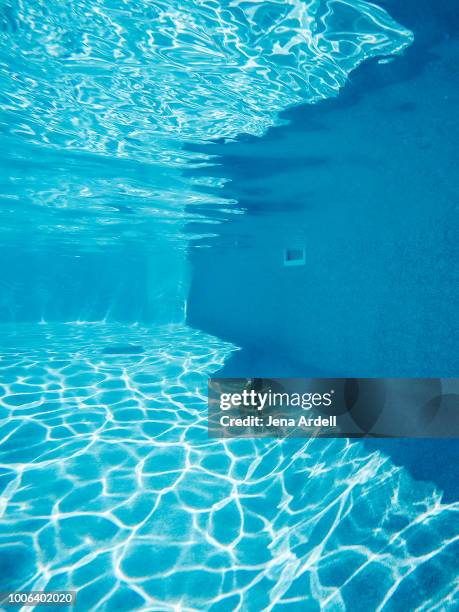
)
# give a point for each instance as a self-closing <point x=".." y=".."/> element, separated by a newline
<point x="157" y="158"/>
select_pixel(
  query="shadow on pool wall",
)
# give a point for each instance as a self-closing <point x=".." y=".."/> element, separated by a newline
<point x="367" y="183"/>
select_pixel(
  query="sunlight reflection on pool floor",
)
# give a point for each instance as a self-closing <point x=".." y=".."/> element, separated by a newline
<point x="111" y="487"/>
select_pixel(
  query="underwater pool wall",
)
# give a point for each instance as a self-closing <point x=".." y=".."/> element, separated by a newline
<point x="366" y="184"/>
<point x="146" y="286"/>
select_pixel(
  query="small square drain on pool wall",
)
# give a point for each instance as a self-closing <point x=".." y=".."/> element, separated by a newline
<point x="294" y="257"/>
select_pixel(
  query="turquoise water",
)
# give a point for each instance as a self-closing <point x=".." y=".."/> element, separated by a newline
<point x="140" y="200"/>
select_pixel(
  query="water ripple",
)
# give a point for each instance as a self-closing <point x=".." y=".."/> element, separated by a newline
<point x="134" y="81"/>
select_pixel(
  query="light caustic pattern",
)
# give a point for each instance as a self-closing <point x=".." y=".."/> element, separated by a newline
<point x="92" y="86"/>
<point x="111" y="487"/>
<point x="113" y="76"/>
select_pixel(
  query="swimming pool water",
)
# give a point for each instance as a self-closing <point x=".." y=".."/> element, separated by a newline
<point x="109" y="483"/>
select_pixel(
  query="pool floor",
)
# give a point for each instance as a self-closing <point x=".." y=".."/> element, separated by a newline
<point x="112" y="488"/>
